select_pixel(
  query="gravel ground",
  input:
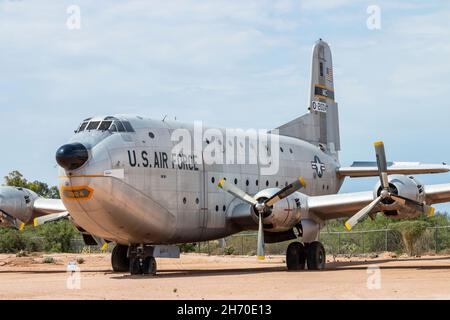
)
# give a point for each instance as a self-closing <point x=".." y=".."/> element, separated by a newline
<point x="233" y="277"/>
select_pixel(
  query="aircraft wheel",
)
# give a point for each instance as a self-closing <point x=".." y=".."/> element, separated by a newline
<point x="136" y="266"/>
<point x="295" y="257"/>
<point x="119" y="260"/>
<point x="149" y="266"/>
<point x="316" y="257"/>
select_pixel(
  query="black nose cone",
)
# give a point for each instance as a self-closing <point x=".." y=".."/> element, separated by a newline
<point x="72" y="156"/>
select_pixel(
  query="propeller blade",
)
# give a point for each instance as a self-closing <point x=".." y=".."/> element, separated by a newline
<point x="362" y="214"/>
<point x="260" y="250"/>
<point x="50" y="218"/>
<point x="382" y="164"/>
<point x="286" y="192"/>
<point x="235" y="191"/>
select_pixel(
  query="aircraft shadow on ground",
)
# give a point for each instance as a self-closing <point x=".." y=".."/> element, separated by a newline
<point x="331" y="267"/>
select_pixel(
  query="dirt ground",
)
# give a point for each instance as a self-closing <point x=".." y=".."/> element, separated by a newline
<point x="202" y="277"/>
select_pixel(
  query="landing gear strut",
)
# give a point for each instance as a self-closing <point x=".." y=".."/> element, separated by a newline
<point x="141" y="260"/>
<point x="311" y="254"/>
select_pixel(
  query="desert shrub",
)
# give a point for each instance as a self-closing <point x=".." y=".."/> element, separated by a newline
<point x="48" y="260"/>
<point x="80" y="260"/>
<point x="57" y="236"/>
<point x="187" y="247"/>
<point x="13" y="241"/>
<point x="229" y="250"/>
<point x="411" y="232"/>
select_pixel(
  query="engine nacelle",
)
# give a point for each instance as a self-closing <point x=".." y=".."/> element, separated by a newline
<point x="405" y="186"/>
<point x="285" y="214"/>
<point x="16" y="203"/>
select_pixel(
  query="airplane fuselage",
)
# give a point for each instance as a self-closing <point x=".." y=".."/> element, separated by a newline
<point x="133" y="189"/>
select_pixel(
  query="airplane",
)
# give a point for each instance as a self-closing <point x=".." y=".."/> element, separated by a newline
<point x="121" y="181"/>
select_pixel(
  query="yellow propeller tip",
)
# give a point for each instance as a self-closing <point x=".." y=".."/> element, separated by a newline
<point x="105" y="245"/>
<point x="379" y="143"/>
<point x="431" y="212"/>
<point x="302" y="181"/>
<point x="261" y="257"/>
<point x="221" y="182"/>
<point x="348" y="226"/>
<point x="35" y="223"/>
<point x="22" y="226"/>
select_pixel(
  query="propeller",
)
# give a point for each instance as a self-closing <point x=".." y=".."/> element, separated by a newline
<point x="262" y="207"/>
<point x="386" y="192"/>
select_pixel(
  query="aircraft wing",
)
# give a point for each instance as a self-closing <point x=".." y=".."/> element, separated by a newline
<point x="347" y="204"/>
<point x="370" y="169"/>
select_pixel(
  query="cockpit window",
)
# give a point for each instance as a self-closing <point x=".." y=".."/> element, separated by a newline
<point x="104" y="125"/>
<point x="110" y="124"/>
<point x="93" y="125"/>
<point x="82" y="127"/>
<point x="120" y="126"/>
<point x="128" y="126"/>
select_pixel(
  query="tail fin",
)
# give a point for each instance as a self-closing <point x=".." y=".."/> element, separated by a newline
<point x="321" y="125"/>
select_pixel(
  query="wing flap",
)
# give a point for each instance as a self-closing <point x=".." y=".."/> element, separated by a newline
<point x="370" y="169"/>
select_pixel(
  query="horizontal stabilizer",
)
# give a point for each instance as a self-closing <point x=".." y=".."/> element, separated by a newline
<point x="370" y="169"/>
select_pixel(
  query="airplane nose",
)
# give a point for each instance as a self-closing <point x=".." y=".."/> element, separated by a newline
<point x="72" y="156"/>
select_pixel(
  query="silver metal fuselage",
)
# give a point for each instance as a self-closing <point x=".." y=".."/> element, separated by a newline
<point x="139" y="195"/>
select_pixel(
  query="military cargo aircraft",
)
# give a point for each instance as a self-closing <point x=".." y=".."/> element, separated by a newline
<point x="121" y="181"/>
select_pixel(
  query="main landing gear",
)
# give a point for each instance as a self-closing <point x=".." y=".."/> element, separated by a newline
<point x="311" y="254"/>
<point x="136" y="259"/>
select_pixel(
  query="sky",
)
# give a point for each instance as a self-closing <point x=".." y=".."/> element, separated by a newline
<point x="239" y="64"/>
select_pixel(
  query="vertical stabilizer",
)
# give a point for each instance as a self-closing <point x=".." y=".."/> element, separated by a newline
<point x="321" y="124"/>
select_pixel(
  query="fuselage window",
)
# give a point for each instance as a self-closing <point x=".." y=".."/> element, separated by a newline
<point x="247" y="183"/>
<point x="104" y="125"/>
<point x="257" y="182"/>
<point x="224" y="208"/>
<point x="281" y="149"/>
<point x="235" y="181"/>
<point x="321" y="69"/>
<point x="277" y="184"/>
<point x="217" y="208"/>
<point x="290" y="150"/>
<point x="184" y="200"/>
<point x="93" y="125"/>
<point x="267" y="183"/>
<point x="213" y="180"/>
<point x="151" y="135"/>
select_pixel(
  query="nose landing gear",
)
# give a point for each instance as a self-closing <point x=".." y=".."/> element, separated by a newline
<point x="142" y="260"/>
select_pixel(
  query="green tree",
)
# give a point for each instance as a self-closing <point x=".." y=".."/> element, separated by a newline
<point x="16" y="179"/>
<point x="411" y="232"/>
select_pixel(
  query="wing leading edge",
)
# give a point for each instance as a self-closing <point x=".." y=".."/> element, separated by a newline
<point x="347" y="204"/>
<point x="370" y="169"/>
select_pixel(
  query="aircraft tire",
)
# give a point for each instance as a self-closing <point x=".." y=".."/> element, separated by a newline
<point x="149" y="266"/>
<point x="316" y="257"/>
<point x="296" y="256"/>
<point x="136" y="266"/>
<point x="119" y="260"/>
